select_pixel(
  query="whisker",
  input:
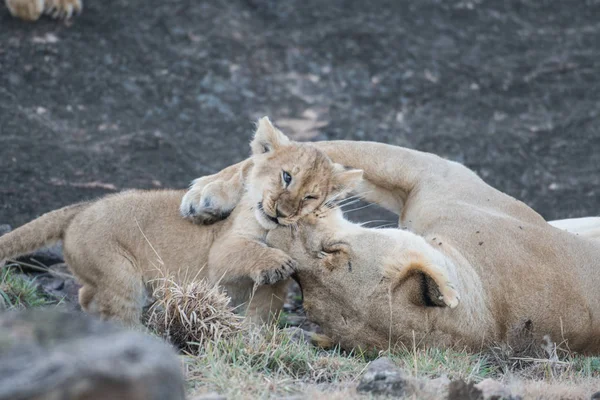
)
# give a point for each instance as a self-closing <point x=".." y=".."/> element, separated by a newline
<point x="349" y="199"/>
<point x="351" y="203"/>
<point x="359" y="208"/>
<point x="390" y="225"/>
<point x="373" y="220"/>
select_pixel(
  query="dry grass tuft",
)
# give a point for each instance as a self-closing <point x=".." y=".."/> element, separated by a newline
<point x="192" y="315"/>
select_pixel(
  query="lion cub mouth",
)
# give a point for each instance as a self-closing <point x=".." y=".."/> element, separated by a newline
<point x="267" y="221"/>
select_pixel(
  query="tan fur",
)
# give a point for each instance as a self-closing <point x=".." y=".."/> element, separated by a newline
<point x="504" y="260"/>
<point x="32" y="10"/>
<point x="269" y="201"/>
<point x="117" y="245"/>
<point x="588" y="227"/>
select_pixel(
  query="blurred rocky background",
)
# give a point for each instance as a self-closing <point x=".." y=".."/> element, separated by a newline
<point x="153" y="93"/>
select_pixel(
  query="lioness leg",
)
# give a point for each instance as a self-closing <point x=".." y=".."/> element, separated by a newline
<point x="391" y="173"/>
<point x="31" y="10"/>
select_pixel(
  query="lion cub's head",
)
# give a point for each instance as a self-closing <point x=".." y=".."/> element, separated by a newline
<point x="290" y="180"/>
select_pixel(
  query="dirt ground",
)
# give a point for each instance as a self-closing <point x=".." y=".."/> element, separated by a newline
<point x="152" y="93"/>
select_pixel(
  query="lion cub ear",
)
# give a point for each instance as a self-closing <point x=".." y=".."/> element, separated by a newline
<point x="344" y="180"/>
<point x="425" y="283"/>
<point x="267" y="138"/>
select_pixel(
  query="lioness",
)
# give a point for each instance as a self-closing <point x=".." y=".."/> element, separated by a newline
<point x="32" y="10"/>
<point x="510" y="268"/>
<point x="115" y="245"/>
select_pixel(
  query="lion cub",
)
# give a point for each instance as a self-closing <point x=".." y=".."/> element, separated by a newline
<point x="288" y="180"/>
<point x="115" y="246"/>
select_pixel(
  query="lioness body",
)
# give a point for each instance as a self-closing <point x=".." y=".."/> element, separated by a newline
<point x="509" y="266"/>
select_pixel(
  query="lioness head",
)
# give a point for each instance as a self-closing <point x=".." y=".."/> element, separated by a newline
<point x="290" y="179"/>
<point x="365" y="287"/>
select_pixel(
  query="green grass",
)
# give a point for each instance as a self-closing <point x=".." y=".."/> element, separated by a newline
<point x="273" y="366"/>
<point x="269" y="364"/>
<point x="261" y="365"/>
<point x="17" y="292"/>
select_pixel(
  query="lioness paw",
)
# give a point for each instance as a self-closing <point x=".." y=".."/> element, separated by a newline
<point x="206" y="204"/>
<point x="285" y="267"/>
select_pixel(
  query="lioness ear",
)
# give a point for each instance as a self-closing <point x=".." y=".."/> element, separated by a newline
<point x="267" y="137"/>
<point x="344" y="180"/>
<point x="426" y="284"/>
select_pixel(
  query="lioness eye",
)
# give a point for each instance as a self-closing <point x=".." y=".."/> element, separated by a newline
<point x="310" y="197"/>
<point x="287" y="178"/>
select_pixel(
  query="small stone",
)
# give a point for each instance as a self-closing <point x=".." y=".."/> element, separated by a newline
<point x="595" y="396"/>
<point x="492" y="389"/>
<point x="383" y="377"/>
<point x="209" y="396"/>
<point x="461" y="390"/>
<point x="294" y="320"/>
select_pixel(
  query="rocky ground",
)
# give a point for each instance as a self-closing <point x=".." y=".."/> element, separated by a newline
<point x="152" y="93"/>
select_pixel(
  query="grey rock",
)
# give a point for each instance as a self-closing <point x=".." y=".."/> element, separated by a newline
<point x="294" y="320"/>
<point x="48" y="354"/>
<point x="43" y="257"/>
<point x="59" y="283"/>
<point x="596" y="396"/>
<point x="461" y="390"/>
<point x="493" y="390"/>
<point x="487" y="389"/>
<point x="383" y="377"/>
<point x="209" y="396"/>
<point x="299" y="335"/>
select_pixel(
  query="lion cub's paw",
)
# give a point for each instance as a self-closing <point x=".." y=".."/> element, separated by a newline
<point x="208" y="204"/>
<point x="283" y="267"/>
<point x="63" y="9"/>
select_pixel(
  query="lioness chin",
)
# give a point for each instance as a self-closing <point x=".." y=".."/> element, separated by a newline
<point x="115" y="246"/>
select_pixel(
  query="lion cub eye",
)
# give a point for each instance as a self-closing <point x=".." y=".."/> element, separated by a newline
<point x="310" y="197"/>
<point x="287" y="178"/>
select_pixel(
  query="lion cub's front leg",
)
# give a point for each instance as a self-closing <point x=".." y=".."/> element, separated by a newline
<point x="239" y="257"/>
<point x="31" y="10"/>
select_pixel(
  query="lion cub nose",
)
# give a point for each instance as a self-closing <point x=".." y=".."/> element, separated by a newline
<point x="279" y="213"/>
